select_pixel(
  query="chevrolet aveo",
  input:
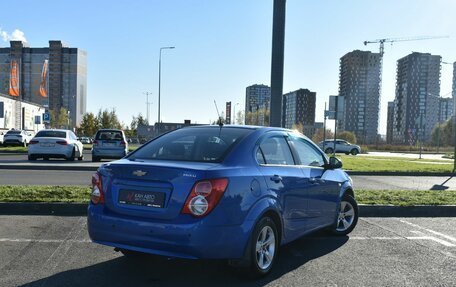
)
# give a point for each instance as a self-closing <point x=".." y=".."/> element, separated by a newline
<point x="229" y="192"/>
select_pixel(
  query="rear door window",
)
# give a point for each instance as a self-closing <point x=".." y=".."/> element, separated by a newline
<point x="275" y="151"/>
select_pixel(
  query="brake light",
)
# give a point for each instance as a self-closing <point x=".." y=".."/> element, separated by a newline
<point x="123" y="143"/>
<point x="33" y="142"/>
<point x="62" y="142"/>
<point x="95" y="143"/>
<point x="97" y="195"/>
<point x="204" y="196"/>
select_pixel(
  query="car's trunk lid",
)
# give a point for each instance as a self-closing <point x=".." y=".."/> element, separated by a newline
<point x="150" y="189"/>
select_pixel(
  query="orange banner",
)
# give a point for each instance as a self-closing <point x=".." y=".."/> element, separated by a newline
<point x="14" y="79"/>
<point x="43" y="87"/>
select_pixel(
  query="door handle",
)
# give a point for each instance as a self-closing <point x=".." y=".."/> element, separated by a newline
<point x="312" y="180"/>
<point x="276" y="178"/>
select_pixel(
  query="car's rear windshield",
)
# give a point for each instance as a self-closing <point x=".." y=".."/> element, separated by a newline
<point x="192" y="144"/>
<point x="109" y="135"/>
<point x="13" y="132"/>
<point x="51" y="134"/>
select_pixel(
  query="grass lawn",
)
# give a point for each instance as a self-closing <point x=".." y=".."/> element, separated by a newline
<point x="376" y="163"/>
<point x="81" y="195"/>
<point x="13" y="149"/>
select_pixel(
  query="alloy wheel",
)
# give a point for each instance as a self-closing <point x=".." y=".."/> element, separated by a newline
<point x="346" y="216"/>
<point x="265" y="247"/>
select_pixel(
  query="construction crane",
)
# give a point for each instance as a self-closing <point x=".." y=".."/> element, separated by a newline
<point x="392" y="40"/>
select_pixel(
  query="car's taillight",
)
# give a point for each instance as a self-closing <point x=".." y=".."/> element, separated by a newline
<point x="33" y="142"/>
<point x="62" y="142"/>
<point x="97" y="195"/>
<point x="123" y="143"/>
<point x="95" y="143"/>
<point x="204" y="196"/>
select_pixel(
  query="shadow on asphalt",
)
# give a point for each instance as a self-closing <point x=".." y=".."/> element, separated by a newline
<point x="152" y="271"/>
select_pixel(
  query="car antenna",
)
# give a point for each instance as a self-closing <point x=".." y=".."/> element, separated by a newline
<point x="220" y="120"/>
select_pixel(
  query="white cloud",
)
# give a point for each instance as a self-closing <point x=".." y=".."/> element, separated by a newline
<point x="17" y="35"/>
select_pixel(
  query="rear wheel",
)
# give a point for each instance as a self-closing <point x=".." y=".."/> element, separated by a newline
<point x="31" y="157"/>
<point x="347" y="217"/>
<point x="354" y="151"/>
<point x="263" y="248"/>
<point x="95" y="159"/>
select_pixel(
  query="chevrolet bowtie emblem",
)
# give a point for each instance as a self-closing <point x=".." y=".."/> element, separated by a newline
<point x="139" y="173"/>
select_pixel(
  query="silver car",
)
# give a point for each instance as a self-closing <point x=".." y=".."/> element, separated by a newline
<point x="55" y="144"/>
<point x="110" y="144"/>
<point x="341" y="146"/>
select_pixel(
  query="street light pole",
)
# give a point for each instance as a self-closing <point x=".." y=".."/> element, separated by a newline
<point x="159" y="86"/>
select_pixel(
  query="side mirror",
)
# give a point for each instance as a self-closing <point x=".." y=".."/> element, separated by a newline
<point x="334" y="163"/>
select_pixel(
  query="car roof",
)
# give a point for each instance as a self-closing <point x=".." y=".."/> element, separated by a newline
<point x="55" y="130"/>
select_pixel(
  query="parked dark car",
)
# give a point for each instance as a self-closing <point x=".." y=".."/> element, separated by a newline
<point x="231" y="192"/>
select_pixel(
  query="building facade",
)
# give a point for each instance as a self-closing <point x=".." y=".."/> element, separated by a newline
<point x="390" y="123"/>
<point x="256" y="97"/>
<point x="64" y="84"/>
<point x="359" y="84"/>
<point x="298" y="108"/>
<point x="445" y="109"/>
<point x="20" y="115"/>
<point x="416" y="104"/>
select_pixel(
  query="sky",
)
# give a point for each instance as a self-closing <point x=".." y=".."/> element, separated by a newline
<point x="224" y="46"/>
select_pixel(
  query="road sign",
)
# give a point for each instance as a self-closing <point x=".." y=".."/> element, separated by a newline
<point x="46" y="117"/>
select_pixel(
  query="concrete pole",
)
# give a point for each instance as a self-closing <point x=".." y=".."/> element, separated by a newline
<point x="278" y="43"/>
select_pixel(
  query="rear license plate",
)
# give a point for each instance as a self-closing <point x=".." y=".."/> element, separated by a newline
<point x="47" y="145"/>
<point x="109" y="144"/>
<point x="142" y="198"/>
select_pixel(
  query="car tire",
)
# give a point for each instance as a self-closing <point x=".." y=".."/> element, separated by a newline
<point x="81" y="158"/>
<point x="264" y="241"/>
<point x="347" y="216"/>
<point x="95" y="159"/>
<point x="31" y="157"/>
<point x="329" y="150"/>
<point x="71" y="158"/>
<point x="354" y="151"/>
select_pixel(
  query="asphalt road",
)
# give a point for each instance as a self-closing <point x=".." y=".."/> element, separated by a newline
<point x="62" y="177"/>
<point x="56" y="251"/>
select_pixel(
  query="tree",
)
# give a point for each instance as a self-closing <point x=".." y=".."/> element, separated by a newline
<point x="89" y="125"/>
<point x="319" y="135"/>
<point x="348" y="136"/>
<point x="59" y="119"/>
<point x="443" y="135"/>
<point x="298" y="127"/>
<point x="108" y="119"/>
<point x="240" y="117"/>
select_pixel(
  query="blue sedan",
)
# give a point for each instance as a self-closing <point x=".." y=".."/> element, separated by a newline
<point x="213" y="192"/>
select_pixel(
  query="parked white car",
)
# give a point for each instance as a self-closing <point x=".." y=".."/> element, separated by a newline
<point x="1" y="137"/>
<point x="341" y="146"/>
<point x="55" y="144"/>
<point x="17" y="137"/>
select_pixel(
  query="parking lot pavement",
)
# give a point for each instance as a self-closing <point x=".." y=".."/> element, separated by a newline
<point x="56" y="251"/>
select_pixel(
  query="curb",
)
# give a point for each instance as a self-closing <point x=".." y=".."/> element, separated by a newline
<point x="49" y="167"/>
<point x="80" y="209"/>
<point x="399" y="173"/>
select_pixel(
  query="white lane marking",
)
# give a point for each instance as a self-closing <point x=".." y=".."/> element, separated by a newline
<point x="42" y="240"/>
<point x="425" y="237"/>
<point x="429" y="230"/>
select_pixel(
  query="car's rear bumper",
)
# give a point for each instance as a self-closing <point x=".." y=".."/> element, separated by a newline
<point x="185" y="240"/>
<point x="109" y="153"/>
